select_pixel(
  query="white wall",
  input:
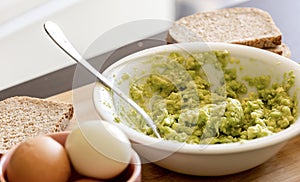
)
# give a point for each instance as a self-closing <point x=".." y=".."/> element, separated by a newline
<point x="25" y="50"/>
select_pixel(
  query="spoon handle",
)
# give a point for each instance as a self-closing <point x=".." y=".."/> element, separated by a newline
<point x="57" y="35"/>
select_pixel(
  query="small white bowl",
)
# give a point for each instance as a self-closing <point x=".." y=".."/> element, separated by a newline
<point x="203" y="160"/>
<point x="131" y="174"/>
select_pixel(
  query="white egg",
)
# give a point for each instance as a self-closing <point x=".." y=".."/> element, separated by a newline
<point x="98" y="149"/>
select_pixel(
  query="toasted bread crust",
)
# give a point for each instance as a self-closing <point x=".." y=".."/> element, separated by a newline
<point x="282" y="49"/>
<point x="247" y="26"/>
<point x="22" y="117"/>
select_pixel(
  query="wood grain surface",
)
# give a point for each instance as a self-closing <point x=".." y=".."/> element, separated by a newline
<point x="285" y="166"/>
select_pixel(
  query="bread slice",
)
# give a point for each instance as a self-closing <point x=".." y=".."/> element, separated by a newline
<point x="282" y="49"/>
<point x="241" y="25"/>
<point x="22" y="117"/>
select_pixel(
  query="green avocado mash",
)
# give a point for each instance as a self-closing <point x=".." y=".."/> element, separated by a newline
<point x="189" y="105"/>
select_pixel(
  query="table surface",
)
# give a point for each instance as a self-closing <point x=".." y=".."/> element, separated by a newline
<point x="284" y="166"/>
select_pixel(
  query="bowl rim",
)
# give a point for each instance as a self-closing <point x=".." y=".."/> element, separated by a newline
<point x="172" y="146"/>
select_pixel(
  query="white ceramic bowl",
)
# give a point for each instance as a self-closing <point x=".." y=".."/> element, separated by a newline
<point x="204" y="160"/>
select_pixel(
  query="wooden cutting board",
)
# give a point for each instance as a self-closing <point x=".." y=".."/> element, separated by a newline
<point x="285" y="166"/>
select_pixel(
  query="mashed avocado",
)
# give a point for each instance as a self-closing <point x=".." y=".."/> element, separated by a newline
<point x="189" y="105"/>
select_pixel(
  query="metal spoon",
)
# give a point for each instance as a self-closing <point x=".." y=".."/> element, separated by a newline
<point x="57" y="35"/>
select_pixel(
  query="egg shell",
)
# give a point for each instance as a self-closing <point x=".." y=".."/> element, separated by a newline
<point x="98" y="149"/>
<point x="39" y="159"/>
<point x="87" y="180"/>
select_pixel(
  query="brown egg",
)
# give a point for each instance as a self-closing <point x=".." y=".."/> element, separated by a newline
<point x="88" y="180"/>
<point x="39" y="159"/>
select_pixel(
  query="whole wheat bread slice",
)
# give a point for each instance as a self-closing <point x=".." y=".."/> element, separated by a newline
<point x="282" y="49"/>
<point x="22" y="117"/>
<point x="242" y="25"/>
